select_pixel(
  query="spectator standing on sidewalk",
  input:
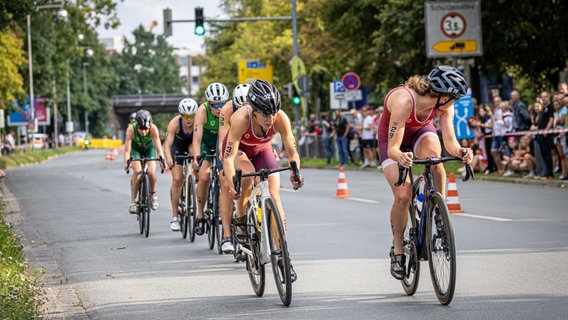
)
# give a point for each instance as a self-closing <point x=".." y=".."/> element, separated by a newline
<point x="342" y="127"/>
<point x="327" y="134"/>
<point x="560" y="111"/>
<point x="545" y="141"/>
<point x="521" y="115"/>
<point x="368" y="139"/>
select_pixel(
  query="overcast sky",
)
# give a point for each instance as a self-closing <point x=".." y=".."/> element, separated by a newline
<point x="132" y="13"/>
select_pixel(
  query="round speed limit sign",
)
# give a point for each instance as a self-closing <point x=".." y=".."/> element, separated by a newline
<point x="453" y="25"/>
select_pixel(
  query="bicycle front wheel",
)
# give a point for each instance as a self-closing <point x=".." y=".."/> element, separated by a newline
<point x="441" y="249"/>
<point x="191" y="207"/>
<point x="146" y="207"/>
<point x="217" y="218"/>
<point x="254" y="266"/>
<point x="182" y="211"/>
<point x="139" y="201"/>
<point x="278" y="252"/>
<point x="410" y="240"/>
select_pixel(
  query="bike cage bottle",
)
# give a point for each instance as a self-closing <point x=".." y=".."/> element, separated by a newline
<point x="420" y="203"/>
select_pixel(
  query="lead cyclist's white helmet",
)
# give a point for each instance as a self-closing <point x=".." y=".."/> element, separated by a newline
<point x="217" y="92"/>
<point x="240" y="94"/>
<point x="187" y="107"/>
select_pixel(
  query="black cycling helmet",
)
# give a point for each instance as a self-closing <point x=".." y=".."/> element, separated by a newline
<point x="448" y="80"/>
<point x="132" y="117"/>
<point x="143" y="119"/>
<point x="264" y="97"/>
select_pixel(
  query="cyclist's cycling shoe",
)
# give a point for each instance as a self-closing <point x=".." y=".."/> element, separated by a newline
<point x="398" y="265"/>
<point x="293" y="274"/>
<point x="154" y="203"/>
<point x="174" y="225"/>
<point x="227" y="246"/>
<point x="200" y="228"/>
<point x="133" y="208"/>
<point x="240" y="229"/>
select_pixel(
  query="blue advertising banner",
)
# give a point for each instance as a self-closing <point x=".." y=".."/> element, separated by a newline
<point x="22" y="116"/>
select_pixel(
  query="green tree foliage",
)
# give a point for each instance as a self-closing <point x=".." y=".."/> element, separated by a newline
<point x="384" y="41"/>
<point x="147" y="65"/>
<point x="11" y="57"/>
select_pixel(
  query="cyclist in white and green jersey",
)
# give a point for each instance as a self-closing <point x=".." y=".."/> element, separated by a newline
<point x="205" y="133"/>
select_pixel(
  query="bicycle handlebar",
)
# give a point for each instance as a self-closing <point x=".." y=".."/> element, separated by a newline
<point x="264" y="173"/>
<point x="144" y="160"/>
<point x="403" y="172"/>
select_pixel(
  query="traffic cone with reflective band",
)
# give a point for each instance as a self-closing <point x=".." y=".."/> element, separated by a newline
<point x="342" y="191"/>
<point x="453" y="200"/>
<point x="108" y="155"/>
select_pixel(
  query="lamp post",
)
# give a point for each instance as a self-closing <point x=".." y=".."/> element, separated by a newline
<point x="61" y="13"/>
<point x="88" y="54"/>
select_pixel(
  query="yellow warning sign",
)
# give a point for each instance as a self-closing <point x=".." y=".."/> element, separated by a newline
<point x="456" y="46"/>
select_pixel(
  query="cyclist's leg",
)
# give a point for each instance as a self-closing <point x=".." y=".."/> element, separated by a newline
<point x="243" y="163"/>
<point x="225" y="204"/>
<point x="136" y="169"/>
<point x="428" y="146"/>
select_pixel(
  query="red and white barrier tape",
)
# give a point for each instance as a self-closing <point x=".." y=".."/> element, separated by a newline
<point x="531" y="132"/>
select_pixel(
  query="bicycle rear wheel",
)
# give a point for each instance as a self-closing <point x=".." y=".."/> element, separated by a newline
<point x="410" y="240"/>
<point x="146" y="207"/>
<point x="191" y="207"/>
<point x="254" y="266"/>
<point x="278" y="252"/>
<point x="210" y="218"/>
<point x="441" y="249"/>
<point x="182" y="211"/>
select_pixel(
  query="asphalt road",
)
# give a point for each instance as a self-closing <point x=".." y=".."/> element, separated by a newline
<point x="512" y="246"/>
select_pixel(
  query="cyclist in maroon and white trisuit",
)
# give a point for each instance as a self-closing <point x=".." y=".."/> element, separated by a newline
<point x="406" y="130"/>
<point x="247" y="145"/>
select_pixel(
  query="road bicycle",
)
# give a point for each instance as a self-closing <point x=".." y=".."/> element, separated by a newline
<point x="429" y="235"/>
<point x="260" y="237"/>
<point x="213" y="225"/>
<point x="187" y="201"/>
<point x="143" y="197"/>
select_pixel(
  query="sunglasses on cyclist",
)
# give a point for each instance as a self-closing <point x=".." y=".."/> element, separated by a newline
<point x="188" y="116"/>
<point x="217" y="105"/>
<point x="142" y="128"/>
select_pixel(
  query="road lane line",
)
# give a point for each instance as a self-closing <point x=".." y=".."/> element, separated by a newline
<point x="483" y="217"/>
<point x="362" y="200"/>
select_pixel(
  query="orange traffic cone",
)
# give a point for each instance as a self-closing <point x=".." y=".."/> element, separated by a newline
<point x="453" y="200"/>
<point x="108" y="155"/>
<point x="342" y="191"/>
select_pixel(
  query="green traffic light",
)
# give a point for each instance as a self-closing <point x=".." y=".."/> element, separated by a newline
<point x="199" y="30"/>
<point x="296" y="100"/>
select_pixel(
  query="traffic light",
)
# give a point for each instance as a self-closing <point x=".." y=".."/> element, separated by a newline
<point x="288" y="90"/>
<point x="199" y="28"/>
<point x="296" y="97"/>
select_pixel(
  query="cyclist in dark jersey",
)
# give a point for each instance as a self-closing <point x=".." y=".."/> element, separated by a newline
<point x="205" y="133"/>
<point x="247" y="145"/>
<point x="142" y="140"/>
<point x="406" y="124"/>
<point x="225" y="202"/>
<point x="178" y="141"/>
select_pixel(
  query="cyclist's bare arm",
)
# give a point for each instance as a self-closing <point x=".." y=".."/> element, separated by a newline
<point x="400" y="106"/>
<point x="170" y="136"/>
<point x="128" y="145"/>
<point x="283" y="126"/>
<point x="239" y="122"/>
<point x="155" y="134"/>
<point x="224" y="124"/>
<point x="451" y="143"/>
<point x="200" y="119"/>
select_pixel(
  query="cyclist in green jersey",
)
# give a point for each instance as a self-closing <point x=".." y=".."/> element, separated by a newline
<point x="205" y="133"/>
<point x="142" y="139"/>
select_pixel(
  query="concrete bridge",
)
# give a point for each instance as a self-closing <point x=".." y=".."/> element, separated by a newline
<point x="124" y="105"/>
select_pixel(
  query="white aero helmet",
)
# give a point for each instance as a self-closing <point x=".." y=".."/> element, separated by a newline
<point x="217" y="92"/>
<point x="240" y="94"/>
<point x="187" y="107"/>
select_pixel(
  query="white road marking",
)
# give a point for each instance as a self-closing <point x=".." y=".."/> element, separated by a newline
<point x="483" y="217"/>
<point x="362" y="200"/>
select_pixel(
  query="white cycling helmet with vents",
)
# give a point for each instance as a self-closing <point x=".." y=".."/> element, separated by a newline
<point x="217" y="92"/>
<point x="240" y="94"/>
<point x="187" y="107"/>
